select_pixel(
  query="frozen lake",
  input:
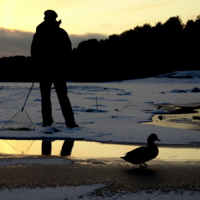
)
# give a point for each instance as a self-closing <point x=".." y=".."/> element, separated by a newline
<point x="112" y="112"/>
<point x="114" y="118"/>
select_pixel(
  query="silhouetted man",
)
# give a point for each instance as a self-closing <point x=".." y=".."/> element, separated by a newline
<point x="51" y="52"/>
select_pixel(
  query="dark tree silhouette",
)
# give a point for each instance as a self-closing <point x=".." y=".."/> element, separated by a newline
<point x="139" y="52"/>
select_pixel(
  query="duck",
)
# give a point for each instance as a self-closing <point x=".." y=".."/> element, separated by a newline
<point x="142" y="154"/>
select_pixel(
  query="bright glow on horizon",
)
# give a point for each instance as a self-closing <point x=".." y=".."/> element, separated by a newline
<point x="94" y="16"/>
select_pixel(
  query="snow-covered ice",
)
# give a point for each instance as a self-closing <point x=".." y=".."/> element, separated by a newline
<point x="88" y="192"/>
<point x="107" y="112"/>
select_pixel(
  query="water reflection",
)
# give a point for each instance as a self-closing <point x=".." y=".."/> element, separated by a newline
<point x="84" y="149"/>
<point x="65" y="150"/>
<point x="180" y="116"/>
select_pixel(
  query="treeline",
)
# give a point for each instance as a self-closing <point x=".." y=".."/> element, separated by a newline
<point x="136" y="53"/>
<point x="142" y="52"/>
<point x="16" y="69"/>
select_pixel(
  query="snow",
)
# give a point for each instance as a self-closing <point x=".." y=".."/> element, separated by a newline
<point x="85" y="192"/>
<point x="106" y="112"/>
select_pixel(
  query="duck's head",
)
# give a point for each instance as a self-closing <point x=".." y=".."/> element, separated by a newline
<point x="153" y="137"/>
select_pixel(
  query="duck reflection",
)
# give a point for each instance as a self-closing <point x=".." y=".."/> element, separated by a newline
<point x="65" y="150"/>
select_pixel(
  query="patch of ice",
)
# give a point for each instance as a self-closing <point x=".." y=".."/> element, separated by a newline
<point x="125" y="93"/>
<point x="195" y="89"/>
<point x="181" y="74"/>
<point x="160" y="112"/>
<point x="37" y="99"/>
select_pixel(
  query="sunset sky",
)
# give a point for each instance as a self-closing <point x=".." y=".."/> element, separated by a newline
<point x="83" y="17"/>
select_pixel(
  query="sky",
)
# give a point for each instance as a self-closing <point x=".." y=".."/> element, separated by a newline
<point x="84" y="19"/>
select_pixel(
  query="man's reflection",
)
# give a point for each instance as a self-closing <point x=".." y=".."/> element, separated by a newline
<point x="65" y="151"/>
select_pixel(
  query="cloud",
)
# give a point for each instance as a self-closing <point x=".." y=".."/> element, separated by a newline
<point x="142" y="7"/>
<point x="16" y="42"/>
<point x="106" y="25"/>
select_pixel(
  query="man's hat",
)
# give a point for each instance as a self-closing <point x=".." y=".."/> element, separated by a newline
<point x="50" y="14"/>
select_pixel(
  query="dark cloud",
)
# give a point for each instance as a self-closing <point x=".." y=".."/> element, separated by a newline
<point x="15" y="42"/>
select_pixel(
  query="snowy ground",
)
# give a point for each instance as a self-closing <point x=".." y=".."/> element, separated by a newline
<point x="88" y="192"/>
<point x="121" y="108"/>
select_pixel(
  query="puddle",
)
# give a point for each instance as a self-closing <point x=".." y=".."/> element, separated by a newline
<point x="83" y="149"/>
<point x="180" y="116"/>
